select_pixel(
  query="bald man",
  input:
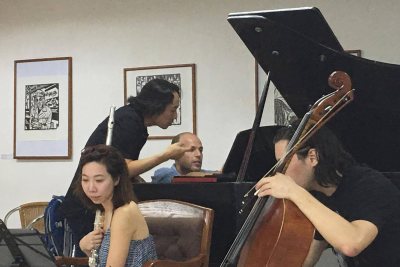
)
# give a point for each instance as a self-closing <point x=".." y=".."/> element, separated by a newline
<point x="191" y="161"/>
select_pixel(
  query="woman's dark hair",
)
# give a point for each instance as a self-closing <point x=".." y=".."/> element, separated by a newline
<point x="115" y="165"/>
<point x="154" y="97"/>
<point x="332" y="157"/>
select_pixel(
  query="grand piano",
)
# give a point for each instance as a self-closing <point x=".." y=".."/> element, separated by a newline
<point x="299" y="51"/>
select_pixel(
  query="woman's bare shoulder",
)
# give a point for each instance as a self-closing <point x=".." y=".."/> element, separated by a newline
<point x="129" y="216"/>
<point x="129" y="210"/>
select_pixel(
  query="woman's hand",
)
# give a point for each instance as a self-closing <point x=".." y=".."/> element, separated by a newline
<point x="91" y="241"/>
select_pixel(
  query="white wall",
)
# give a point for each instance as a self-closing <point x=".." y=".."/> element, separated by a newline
<point x="104" y="36"/>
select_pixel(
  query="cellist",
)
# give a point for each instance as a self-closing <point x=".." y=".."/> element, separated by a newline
<point x="354" y="209"/>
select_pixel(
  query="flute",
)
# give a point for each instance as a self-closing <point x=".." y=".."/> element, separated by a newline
<point x="98" y="221"/>
<point x="110" y="126"/>
<point x="94" y="254"/>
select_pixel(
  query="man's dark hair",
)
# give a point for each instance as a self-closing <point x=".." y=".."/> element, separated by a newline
<point x="115" y="165"/>
<point x="154" y="97"/>
<point x="332" y="157"/>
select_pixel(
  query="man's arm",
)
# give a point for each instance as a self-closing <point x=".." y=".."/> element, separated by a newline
<point x="164" y="175"/>
<point x="350" y="238"/>
<point x="137" y="167"/>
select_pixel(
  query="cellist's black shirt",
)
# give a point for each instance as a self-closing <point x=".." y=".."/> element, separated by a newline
<point x="366" y="194"/>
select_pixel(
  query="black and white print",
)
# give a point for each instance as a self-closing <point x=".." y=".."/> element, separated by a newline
<point x="42" y="106"/>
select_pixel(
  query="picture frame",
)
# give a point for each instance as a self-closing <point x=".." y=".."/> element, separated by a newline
<point x="43" y="108"/>
<point x="181" y="74"/>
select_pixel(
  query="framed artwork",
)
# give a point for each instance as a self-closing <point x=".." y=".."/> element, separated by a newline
<point x="182" y="75"/>
<point x="43" y="108"/>
<point x="276" y="109"/>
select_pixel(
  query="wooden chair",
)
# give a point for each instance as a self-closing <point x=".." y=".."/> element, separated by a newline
<point x="181" y="231"/>
<point x="31" y="215"/>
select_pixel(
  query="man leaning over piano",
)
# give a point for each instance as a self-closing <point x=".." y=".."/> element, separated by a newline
<point x="354" y="209"/>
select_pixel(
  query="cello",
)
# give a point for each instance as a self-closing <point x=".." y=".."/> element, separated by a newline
<point x="276" y="233"/>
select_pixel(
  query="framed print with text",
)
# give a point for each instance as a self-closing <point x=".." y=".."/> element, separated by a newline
<point x="43" y="108"/>
<point x="182" y="75"/>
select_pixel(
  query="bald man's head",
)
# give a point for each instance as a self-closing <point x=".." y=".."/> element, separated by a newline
<point x="192" y="160"/>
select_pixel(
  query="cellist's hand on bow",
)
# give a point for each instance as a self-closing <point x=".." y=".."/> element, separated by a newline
<point x="278" y="186"/>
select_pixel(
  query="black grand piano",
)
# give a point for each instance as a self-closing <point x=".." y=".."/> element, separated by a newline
<point x="299" y="51"/>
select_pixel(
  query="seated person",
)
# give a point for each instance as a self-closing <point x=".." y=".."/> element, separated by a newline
<point x="354" y="209"/>
<point x="104" y="184"/>
<point x="188" y="164"/>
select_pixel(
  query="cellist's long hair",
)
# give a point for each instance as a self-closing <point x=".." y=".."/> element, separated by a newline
<point x="333" y="159"/>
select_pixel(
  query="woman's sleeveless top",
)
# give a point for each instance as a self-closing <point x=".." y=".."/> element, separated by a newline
<point x="139" y="252"/>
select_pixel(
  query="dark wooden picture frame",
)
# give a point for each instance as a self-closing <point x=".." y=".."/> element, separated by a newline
<point x="43" y="108"/>
<point x="184" y="75"/>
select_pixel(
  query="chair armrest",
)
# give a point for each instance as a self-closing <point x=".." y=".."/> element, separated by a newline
<point x="62" y="261"/>
<point x="10" y="213"/>
<point x="30" y="225"/>
<point x="193" y="262"/>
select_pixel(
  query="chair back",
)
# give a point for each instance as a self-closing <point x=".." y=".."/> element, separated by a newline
<point x="181" y="230"/>
<point x="30" y="214"/>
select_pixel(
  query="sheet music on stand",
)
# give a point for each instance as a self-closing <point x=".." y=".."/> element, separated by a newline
<point x="23" y="248"/>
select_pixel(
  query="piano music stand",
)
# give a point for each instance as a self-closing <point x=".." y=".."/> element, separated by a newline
<point x="262" y="157"/>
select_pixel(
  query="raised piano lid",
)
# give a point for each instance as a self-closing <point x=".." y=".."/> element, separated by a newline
<point x="308" y="52"/>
